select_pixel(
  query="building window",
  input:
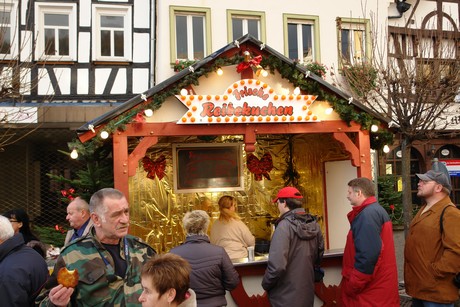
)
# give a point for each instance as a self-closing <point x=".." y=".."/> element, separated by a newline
<point x="302" y="34"/>
<point x="56" y="32"/>
<point x="8" y="46"/>
<point x="112" y="33"/>
<point x="190" y="33"/>
<point x="245" y="22"/>
<point x="354" y="40"/>
<point x="393" y="167"/>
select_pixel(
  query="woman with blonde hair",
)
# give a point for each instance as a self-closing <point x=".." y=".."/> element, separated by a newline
<point x="229" y="231"/>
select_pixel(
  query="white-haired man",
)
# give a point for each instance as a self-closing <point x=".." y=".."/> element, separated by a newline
<point x="79" y="219"/>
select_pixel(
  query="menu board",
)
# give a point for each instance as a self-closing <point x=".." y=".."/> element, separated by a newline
<point x="207" y="167"/>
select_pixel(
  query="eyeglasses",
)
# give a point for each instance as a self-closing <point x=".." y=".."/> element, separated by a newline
<point x="13" y="221"/>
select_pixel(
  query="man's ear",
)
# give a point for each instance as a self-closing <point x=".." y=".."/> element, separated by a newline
<point x="96" y="219"/>
<point x="438" y="187"/>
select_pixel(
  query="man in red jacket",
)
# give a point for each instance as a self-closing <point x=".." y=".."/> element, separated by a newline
<point x="369" y="272"/>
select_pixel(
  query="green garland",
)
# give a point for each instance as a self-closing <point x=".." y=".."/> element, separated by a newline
<point x="346" y="111"/>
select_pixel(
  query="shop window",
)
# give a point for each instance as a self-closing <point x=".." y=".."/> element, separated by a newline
<point x="112" y="32"/>
<point x="190" y="33"/>
<point x="354" y="40"/>
<point x="302" y="35"/>
<point x="243" y="22"/>
<point x="393" y="167"/>
<point x="450" y="154"/>
<point x="55" y="25"/>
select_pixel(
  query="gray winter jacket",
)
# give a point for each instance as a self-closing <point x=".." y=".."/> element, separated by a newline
<point x="212" y="270"/>
<point x="297" y="244"/>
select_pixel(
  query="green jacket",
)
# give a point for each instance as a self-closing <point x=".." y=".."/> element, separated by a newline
<point x="98" y="285"/>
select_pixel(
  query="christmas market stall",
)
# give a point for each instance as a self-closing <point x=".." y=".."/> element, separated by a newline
<point x="244" y="121"/>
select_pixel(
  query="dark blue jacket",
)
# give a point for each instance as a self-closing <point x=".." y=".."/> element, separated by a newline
<point x="212" y="270"/>
<point x="23" y="272"/>
<point x="369" y="271"/>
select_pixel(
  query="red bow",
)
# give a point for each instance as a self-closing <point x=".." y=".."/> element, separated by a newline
<point x="59" y="228"/>
<point x="156" y="167"/>
<point x="68" y="194"/>
<point x="139" y="118"/>
<point x="260" y="167"/>
<point x="253" y="62"/>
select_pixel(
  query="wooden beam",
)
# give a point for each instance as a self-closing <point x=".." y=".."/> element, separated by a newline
<point x="174" y="129"/>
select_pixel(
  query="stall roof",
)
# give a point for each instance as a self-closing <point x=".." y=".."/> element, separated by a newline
<point x="247" y="40"/>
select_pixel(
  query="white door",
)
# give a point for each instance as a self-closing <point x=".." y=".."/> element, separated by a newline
<point x="338" y="174"/>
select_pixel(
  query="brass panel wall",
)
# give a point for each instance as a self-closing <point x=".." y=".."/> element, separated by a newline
<point x="156" y="211"/>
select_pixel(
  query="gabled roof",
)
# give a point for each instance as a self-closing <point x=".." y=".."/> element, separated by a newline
<point x="229" y="50"/>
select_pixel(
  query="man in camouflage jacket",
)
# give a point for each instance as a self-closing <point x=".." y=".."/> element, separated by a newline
<point x="108" y="260"/>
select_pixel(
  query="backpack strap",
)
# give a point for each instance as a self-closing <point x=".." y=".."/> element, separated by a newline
<point x="441" y="228"/>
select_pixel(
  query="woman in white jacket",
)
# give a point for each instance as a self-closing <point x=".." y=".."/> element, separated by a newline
<point x="229" y="231"/>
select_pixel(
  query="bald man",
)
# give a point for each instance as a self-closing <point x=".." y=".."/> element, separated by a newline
<point x="79" y="219"/>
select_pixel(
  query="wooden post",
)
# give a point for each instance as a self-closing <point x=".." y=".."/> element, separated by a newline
<point x="120" y="163"/>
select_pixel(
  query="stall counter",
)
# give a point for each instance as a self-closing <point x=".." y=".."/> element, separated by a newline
<point x="249" y="291"/>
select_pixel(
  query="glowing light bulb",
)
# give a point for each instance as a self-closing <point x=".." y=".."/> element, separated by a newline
<point x="74" y="154"/>
<point x="183" y="92"/>
<point x="297" y="91"/>
<point x="264" y="73"/>
<point x="386" y="149"/>
<point x="374" y="128"/>
<point x="328" y="111"/>
<point x="104" y="134"/>
<point x="220" y="72"/>
<point x="148" y="112"/>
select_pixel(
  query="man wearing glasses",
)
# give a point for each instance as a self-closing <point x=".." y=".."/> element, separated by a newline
<point x="432" y="255"/>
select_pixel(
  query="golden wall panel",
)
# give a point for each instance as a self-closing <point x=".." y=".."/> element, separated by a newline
<point x="156" y="211"/>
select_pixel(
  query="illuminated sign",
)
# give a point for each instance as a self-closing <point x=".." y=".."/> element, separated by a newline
<point x="247" y="101"/>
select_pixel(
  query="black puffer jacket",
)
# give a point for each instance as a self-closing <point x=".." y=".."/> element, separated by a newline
<point x="297" y="244"/>
<point x="212" y="270"/>
<point x="23" y="272"/>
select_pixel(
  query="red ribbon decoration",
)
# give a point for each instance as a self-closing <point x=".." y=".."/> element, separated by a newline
<point x="59" y="228"/>
<point x="154" y="168"/>
<point x="68" y="194"/>
<point x="253" y="62"/>
<point x="139" y="118"/>
<point x="260" y="167"/>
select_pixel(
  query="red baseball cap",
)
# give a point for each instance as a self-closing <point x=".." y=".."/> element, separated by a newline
<point x="288" y="192"/>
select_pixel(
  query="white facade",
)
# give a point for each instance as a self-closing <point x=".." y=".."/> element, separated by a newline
<point x="272" y="24"/>
<point x="142" y="39"/>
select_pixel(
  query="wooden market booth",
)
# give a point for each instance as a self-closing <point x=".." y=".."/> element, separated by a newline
<point x="171" y="161"/>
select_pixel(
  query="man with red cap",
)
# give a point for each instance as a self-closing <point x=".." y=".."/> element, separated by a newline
<point x="296" y="247"/>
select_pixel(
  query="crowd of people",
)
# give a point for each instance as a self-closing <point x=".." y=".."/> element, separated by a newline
<point x="118" y="269"/>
